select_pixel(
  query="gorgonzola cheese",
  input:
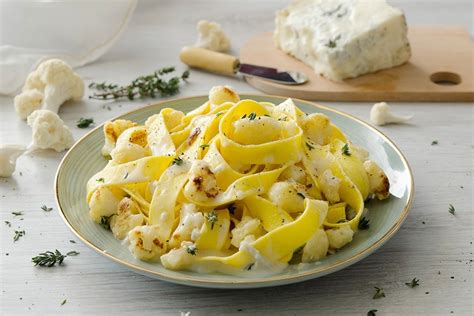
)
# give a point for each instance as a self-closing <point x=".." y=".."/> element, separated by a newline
<point x="343" y="38"/>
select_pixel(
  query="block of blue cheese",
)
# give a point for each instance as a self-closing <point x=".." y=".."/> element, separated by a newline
<point x="343" y="38"/>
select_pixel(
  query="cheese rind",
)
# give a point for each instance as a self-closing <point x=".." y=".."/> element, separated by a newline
<point x="343" y="38"/>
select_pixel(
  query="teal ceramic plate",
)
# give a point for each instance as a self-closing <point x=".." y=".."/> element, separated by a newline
<point x="84" y="159"/>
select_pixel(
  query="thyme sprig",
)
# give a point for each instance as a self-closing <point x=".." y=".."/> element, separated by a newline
<point x="451" y="209"/>
<point x="413" y="283"/>
<point x="49" y="258"/>
<point x="18" y="234"/>
<point x="151" y="85"/>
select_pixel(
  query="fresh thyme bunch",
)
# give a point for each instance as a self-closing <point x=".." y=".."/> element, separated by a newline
<point x="144" y="86"/>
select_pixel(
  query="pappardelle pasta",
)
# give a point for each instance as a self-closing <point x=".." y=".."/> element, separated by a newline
<point x="233" y="186"/>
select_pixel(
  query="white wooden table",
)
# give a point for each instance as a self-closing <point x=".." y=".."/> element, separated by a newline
<point x="433" y="245"/>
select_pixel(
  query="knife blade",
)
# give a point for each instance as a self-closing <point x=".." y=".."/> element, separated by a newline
<point x="272" y="74"/>
<point x="230" y="65"/>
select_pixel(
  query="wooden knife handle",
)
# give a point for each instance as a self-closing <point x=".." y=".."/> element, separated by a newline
<point x="209" y="60"/>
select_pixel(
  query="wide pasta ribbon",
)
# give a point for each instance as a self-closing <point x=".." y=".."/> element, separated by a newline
<point x="348" y="191"/>
<point x="279" y="243"/>
<point x="142" y="170"/>
<point x="280" y="151"/>
<point x="241" y="188"/>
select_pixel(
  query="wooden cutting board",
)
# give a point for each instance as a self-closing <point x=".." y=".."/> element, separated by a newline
<point x="441" y="69"/>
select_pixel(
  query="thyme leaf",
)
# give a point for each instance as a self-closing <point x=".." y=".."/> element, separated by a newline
<point x="379" y="293"/>
<point x="364" y="223"/>
<point x="46" y="209"/>
<point x="212" y="218"/>
<point x="192" y="250"/>
<point x="85" y="122"/>
<point x="177" y="161"/>
<point x="345" y="150"/>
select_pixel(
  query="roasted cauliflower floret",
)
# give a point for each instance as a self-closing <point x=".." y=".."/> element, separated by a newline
<point x="378" y="181"/>
<point x="248" y="226"/>
<point x="339" y="237"/>
<point x="221" y="94"/>
<point x="317" y="127"/>
<point x="190" y="224"/>
<point x="330" y="185"/>
<point x="202" y="184"/>
<point x="294" y="173"/>
<point x="112" y="131"/>
<point x="104" y="202"/>
<point x="316" y="247"/>
<point x="130" y="145"/>
<point x="288" y="195"/>
<point x="128" y="217"/>
<point x="145" y="243"/>
<point x="260" y="130"/>
<point x="180" y="258"/>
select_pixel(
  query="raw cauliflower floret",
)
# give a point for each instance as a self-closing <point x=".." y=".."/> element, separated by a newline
<point x="212" y="37"/>
<point x="262" y="129"/>
<point x="316" y="247"/>
<point x="248" y="226"/>
<point x="381" y="114"/>
<point x="378" y="181"/>
<point x="145" y="243"/>
<point x="221" y="94"/>
<point x="190" y="223"/>
<point x="294" y="173"/>
<point x="317" y="127"/>
<point x="112" y="131"/>
<point x="27" y="102"/>
<point x="48" y="87"/>
<point x="288" y="195"/>
<point x="339" y="237"/>
<point x="104" y="202"/>
<point x="49" y="131"/>
<point x="330" y="185"/>
<point x="8" y="156"/>
<point x="202" y="184"/>
<point x="128" y="217"/>
<point x="179" y="258"/>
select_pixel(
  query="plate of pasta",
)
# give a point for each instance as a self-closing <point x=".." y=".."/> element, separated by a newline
<point x="232" y="191"/>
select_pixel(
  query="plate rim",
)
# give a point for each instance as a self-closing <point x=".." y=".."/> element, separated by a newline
<point x="244" y="282"/>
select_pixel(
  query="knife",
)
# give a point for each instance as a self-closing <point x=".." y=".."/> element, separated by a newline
<point x="230" y="65"/>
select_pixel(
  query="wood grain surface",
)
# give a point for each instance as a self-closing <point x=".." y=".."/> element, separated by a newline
<point x="433" y="245"/>
<point x="440" y="69"/>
